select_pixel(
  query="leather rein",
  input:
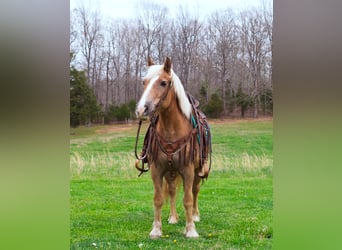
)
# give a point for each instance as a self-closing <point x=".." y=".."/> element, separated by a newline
<point x="141" y="157"/>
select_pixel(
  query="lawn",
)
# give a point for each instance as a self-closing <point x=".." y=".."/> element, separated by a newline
<point x="112" y="208"/>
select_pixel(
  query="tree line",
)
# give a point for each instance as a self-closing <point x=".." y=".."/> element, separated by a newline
<point x="223" y="59"/>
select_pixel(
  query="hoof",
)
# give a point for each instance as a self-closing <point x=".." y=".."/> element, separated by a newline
<point x="191" y="234"/>
<point x="173" y="219"/>
<point x="155" y="234"/>
<point x="190" y="231"/>
<point x="156" y="231"/>
<point x="196" y="218"/>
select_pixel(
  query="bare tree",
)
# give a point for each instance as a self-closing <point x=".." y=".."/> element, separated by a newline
<point x="74" y="46"/>
<point x="206" y="68"/>
<point x="90" y="24"/>
<point x="268" y="24"/>
<point x="139" y="59"/>
<point x="223" y="31"/>
<point x="117" y="43"/>
<point x="152" y="19"/>
<point x="186" y="41"/>
<point x="97" y="66"/>
<point x="253" y="37"/>
<point x="108" y="69"/>
<point x="224" y="53"/>
<point x="127" y="53"/>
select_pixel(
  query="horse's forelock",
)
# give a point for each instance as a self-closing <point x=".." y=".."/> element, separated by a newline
<point x="153" y="70"/>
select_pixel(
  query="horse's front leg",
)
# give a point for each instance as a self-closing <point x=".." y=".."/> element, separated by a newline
<point x="158" y="201"/>
<point x="171" y="190"/>
<point x="188" y="179"/>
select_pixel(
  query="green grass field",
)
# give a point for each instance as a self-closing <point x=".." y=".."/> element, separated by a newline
<point x="112" y="208"/>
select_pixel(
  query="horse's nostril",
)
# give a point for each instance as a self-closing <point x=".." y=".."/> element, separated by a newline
<point x="146" y="108"/>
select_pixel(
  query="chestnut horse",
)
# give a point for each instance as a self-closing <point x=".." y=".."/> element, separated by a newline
<point x="174" y="151"/>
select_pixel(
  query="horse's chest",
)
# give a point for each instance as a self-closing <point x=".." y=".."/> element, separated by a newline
<point x="174" y="156"/>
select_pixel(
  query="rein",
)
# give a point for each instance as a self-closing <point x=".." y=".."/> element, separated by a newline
<point x="143" y="154"/>
<point x="136" y="144"/>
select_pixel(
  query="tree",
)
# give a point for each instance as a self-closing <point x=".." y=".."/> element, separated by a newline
<point x="91" y="42"/>
<point x="152" y="20"/>
<point x="267" y="102"/>
<point x="210" y="55"/>
<point x="243" y="101"/>
<point x="83" y="107"/>
<point x="214" y="107"/>
<point x="223" y="32"/>
<point x="185" y="45"/>
<point x="131" y="106"/>
<point x="123" y="112"/>
<point x="229" y="95"/>
<point x="204" y="94"/>
<point x="254" y="37"/>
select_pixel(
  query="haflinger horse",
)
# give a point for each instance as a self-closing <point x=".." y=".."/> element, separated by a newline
<point x="172" y="147"/>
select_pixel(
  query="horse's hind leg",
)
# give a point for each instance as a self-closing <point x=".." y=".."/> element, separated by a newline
<point x="195" y="190"/>
<point x="188" y="179"/>
<point x="171" y="191"/>
<point x="158" y="202"/>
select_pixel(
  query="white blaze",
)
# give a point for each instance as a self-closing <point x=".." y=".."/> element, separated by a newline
<point x="145" y="97"/>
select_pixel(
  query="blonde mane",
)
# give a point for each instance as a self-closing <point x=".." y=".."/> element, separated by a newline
<point x="183" y="100"/>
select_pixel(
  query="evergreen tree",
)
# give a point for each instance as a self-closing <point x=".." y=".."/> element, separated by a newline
<point x="204" y="94"/>
<point x="214" y="107"/>
<point x="123" y="112"/>
<point x="230" y="102"/>
<point x="83" y="106"/>
<point x="243" y="101"/>
<point x="267" y="101"/>
<point x="132" y="105"/>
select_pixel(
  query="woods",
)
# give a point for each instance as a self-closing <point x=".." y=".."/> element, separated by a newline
<point x="223" y="59"/>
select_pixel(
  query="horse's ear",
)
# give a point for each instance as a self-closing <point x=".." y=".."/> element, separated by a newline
<point x="150" y="61"/>
<point x="167" y="65"/>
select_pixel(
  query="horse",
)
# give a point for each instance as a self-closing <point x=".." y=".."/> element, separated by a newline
<point x="171" y="149"/>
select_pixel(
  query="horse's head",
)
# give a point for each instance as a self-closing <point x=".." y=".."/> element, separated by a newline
<point x="157" y="84"/>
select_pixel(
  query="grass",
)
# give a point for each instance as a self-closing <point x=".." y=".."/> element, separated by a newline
<point x="111" y="208"/>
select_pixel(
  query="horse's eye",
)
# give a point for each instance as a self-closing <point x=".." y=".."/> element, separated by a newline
<point x="143" y="83"/>
<point x="163" y="84"/>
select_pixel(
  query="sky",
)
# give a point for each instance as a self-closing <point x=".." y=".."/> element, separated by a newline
<point x="128" y="8"/>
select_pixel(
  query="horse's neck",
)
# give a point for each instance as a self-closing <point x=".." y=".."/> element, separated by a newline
<point x="172" y="124"/>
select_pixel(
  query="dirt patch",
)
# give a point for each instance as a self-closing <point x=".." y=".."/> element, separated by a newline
<point x="114" y="128"/>
<point x="236" y="120"/>
<point x="128" y="126"/>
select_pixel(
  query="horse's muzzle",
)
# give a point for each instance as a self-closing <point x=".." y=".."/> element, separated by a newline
<point x="142" y="111"/>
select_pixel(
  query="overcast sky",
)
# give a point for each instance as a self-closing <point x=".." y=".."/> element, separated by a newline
<point x="127" y="8"/>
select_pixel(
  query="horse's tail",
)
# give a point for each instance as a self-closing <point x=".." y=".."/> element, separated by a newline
<point x="177" y="181"/>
